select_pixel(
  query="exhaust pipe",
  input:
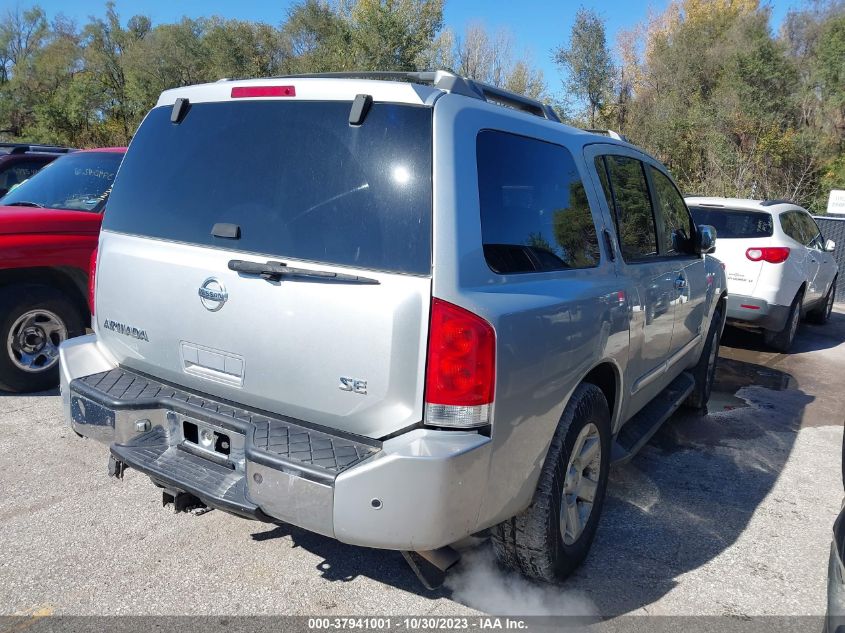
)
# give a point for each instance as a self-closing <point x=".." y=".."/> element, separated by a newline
<point x="430" y="566"/>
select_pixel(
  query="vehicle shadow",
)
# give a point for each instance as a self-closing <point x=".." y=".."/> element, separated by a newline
<point x="344" y="563"/>
<point x="812" y="337"/>
<point x="692" y="491"/>
<point x="34" y="394"/>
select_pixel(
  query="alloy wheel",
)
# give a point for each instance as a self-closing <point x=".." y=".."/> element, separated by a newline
<point x="581" y="483"/>
<point x="34" y="339"/>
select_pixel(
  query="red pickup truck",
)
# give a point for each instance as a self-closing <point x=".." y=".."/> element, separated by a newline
<point x="49" y="227"/>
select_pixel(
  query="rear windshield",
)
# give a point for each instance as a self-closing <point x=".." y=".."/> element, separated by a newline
<point x="80" y="182"/>
<point x="296" y="178"/>
<point x="734" y="223"/>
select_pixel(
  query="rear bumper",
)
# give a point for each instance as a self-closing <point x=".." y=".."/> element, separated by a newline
<point x="744" y="310"/>
<point x="418" y="491"/>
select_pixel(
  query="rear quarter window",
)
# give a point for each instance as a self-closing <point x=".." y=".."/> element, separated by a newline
<point x="535" y="216"/>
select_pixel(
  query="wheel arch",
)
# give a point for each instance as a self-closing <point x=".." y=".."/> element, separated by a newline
<point x="607" y="376"/>
<point x="722" y="304"/>
<point x="72" y="282"/>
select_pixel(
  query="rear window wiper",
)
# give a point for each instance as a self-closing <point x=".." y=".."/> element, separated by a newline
<point x="276" y="270"/>
<point x="25" y="203"/>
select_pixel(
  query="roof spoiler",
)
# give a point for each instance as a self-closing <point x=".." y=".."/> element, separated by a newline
<point x="450" y="82"/>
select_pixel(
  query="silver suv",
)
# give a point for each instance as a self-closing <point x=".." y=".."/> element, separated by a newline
<point x="393" y="309"/>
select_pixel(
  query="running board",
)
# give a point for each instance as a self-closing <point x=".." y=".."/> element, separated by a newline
<point x="638" y="430"/>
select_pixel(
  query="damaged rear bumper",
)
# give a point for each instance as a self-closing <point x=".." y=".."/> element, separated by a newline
<point x="417" y="491"/>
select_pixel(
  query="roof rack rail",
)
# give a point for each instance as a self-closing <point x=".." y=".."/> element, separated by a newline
<point x="609" y="133"/>
<point x="771" y="203"/>
<point x="450" y="82"/>
<point x="21" y="148"/>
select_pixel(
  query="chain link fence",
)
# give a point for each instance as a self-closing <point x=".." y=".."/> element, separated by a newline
<point x="834" y="229"/>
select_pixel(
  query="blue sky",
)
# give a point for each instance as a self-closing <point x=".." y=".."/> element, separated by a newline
<point x="538" y="26"/>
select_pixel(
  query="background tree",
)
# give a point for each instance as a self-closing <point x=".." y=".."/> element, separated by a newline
<point x="731" y="107"/>
<point x="487" y="57"/>
<point x="587" y="62"/>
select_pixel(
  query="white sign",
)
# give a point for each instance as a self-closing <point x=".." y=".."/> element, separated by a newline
<point x="836" y="202"/>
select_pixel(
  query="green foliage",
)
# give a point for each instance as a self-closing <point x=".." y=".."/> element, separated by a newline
<point x="731" y="108"/>
<point x="587" y="61"/>
<point x="92" y="85"/>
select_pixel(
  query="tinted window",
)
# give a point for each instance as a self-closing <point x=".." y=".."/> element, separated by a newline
<point x="601" y="169"/>
<point x="675" y="229"/>
<point x="790" y="223"/>
<point x="19" y="171"/>
<point x="294" y="175"/>
<point x="810" y="230"/>
<point x="730" y="223"/>
<point x="80" y="181"/>
<point x="625" y="186"/>
<point x="534" y="210"/>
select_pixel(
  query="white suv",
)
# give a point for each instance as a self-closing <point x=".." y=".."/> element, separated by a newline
<point x="778" y="265"/>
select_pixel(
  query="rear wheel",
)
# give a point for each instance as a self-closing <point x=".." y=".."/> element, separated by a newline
<point x="705" y="371"/>
<point x="821" y="314"/>
<point x="782" y="340"/>
<point x="34" y="320"/>
<point x="549" y="539"/>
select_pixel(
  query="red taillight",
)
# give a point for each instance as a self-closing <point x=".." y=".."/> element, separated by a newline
<point x="770" y="254"/>
<point x="92" y="280"/>
<point x="461" y="368"/>
<point x="263" y="91"/>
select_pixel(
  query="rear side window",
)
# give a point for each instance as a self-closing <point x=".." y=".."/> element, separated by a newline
<point x="298" y="180"/>
<point x="734" y="224"/>
<point x="790" y="223"/>
<point x="535" y="216"/>
<point x="675" y="228"/>
<point x="627" y="192"/>
<point x="810" y="230"/>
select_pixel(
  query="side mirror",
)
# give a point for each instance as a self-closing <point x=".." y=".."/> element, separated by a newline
<point x="830" y="246"/>
<point x="705" y="239"/>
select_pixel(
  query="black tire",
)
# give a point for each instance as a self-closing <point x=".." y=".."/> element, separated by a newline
<point x="532" y="542"/>
<point x="781" y="341"/>
<point x="15" y="302"/>
<point x="821" y="314"/>
<point x="705" y="370"/>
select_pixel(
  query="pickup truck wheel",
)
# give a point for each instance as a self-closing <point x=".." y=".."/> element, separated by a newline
<point x="820" y="315"/>
<point x="34" y="320"/>
<point x="549" y="539"/>
<point x="705" y="370"/>
<point x="782" y="341"/>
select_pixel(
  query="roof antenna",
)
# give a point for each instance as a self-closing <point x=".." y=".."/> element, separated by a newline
<point x="359" y="110"/>
<point x="180" y="108"/>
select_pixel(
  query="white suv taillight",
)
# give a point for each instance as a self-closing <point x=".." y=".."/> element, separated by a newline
<point x="770" y="254"/>
<point x="461" y="369"/>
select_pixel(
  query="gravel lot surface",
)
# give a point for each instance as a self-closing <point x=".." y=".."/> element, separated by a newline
<point x="728" y="514"/>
